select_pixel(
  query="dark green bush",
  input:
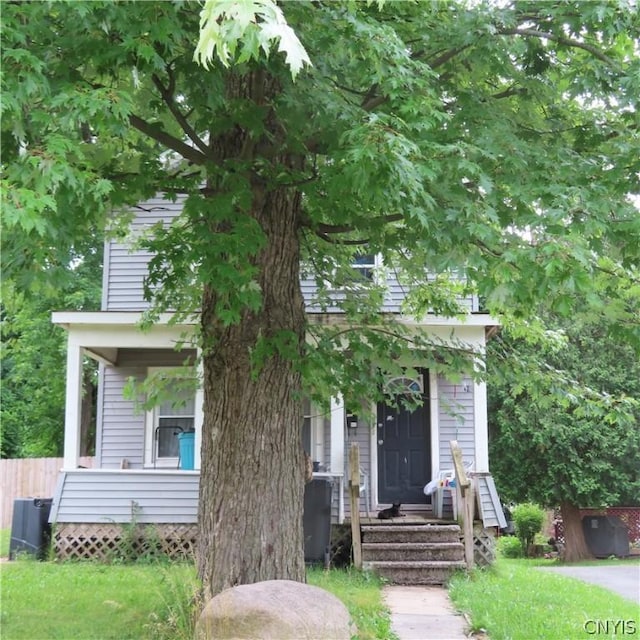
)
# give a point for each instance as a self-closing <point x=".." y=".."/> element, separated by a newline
<point x="528" y="518"/>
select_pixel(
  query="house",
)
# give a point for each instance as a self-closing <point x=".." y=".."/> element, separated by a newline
<point x="137" y="475"/>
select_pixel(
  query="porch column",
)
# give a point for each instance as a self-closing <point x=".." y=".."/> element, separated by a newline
<point x="481" y="426"/>
<point x="73" y="407"/>
<point x="434" y="408"/>
<point x="336" y="457"/>
<point x="198" y="417"/>
<point x="337" y="435"/>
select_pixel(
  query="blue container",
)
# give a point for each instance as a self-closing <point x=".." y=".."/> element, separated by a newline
<point x="186" y="442"/>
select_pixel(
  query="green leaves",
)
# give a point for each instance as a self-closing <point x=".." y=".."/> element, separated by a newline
<point x="445" y="138"/>
<point x="236" y="31"/>
<point x="564" y="411"/>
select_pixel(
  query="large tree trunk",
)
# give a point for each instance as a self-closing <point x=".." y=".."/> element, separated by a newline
<point x="576" y="548"/>
<point x="252" y="463"/>
<point x="252" y="473"/>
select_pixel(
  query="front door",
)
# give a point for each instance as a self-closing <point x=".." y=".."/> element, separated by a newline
<point x="404" y="456"/>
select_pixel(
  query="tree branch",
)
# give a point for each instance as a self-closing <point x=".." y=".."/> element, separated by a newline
<point x="327" y="238"/>
<point x="511" y="91"/>
<point x="446" y="56"/>
<point x="569" y="42"/>
<point x="167" y="96"/>
<point x="374" y="101"/>
<point x="347" y="228"/>
<point x="159" y="135"/>
<point x="370" y="105"/>
<point x="348" y="89"/>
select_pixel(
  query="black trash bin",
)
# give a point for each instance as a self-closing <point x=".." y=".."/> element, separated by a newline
<point x="317" y="522"/>
<point x="30" y="528"/>
<point x="606" y="536"/>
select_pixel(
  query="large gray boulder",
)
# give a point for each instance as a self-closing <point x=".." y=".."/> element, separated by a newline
<point x="275" y="610"/>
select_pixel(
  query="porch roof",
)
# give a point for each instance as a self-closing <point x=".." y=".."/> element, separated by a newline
<point x="101" y="333"/>
<point x="68" y="319"/>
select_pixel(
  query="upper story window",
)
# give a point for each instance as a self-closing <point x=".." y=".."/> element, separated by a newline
<point x="365" y="265"/>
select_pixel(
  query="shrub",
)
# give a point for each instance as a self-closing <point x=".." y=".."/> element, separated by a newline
<point x="509" y="547"/>
<point x="528" y="519"/>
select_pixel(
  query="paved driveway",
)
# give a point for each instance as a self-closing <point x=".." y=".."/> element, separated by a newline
<point x="623" y="579"/>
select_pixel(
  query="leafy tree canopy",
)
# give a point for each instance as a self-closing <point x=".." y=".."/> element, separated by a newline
<point x="564" y="417"/>
<point x="34" y="351"/>
<point x="495" y="145"/>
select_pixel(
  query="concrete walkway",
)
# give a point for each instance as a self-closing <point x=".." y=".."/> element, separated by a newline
<point x="423" y="613"/>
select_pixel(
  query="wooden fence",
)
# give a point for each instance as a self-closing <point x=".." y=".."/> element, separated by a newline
<point x="28" y="478"/>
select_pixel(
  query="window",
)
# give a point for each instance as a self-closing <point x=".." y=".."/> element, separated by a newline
<point x="172" y="421"/>
<point x="364" y="265"/>
<point x="164" y="423"/>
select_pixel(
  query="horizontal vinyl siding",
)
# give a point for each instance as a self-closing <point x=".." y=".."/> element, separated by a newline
<point x="362" y="436"/>
<point x="456" y="422"/>
<point x="486" y="501"/>
<point x="395" y="293"/>
<point x="127" y="268"/>
<point x="122" y="432"/>
<point x="95" y="496"/>
<point x="159" y="497"/>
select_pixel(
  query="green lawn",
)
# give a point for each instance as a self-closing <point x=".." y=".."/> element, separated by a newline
<point x="361" y="593"/>
<point x="5" y="538"/>
<point x="90" y="601"/>
<point x="515" y="601"/>
<point x="87" y="601"/>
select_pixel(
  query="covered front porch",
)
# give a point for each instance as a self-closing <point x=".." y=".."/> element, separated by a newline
<point x="132" y="484"/>
<point x="127" y="437"/>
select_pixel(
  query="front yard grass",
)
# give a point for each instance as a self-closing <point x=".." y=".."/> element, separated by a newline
<point x="361" y="593"/>
<point x="5" y="539"/>
<point x="515" y="601"/>
<point x="90" y="601"/>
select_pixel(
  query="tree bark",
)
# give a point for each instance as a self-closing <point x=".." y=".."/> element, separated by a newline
<point x="252" y="463"/>
<point x="576" y="548"/>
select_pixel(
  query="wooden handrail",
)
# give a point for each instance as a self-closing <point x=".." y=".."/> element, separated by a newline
<point x="354" y="493"/>
<point x="466" y="502"/>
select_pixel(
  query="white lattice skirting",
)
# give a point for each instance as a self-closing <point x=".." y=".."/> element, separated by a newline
<point x="105" y="542"/>
<point x="484" y="545"/>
